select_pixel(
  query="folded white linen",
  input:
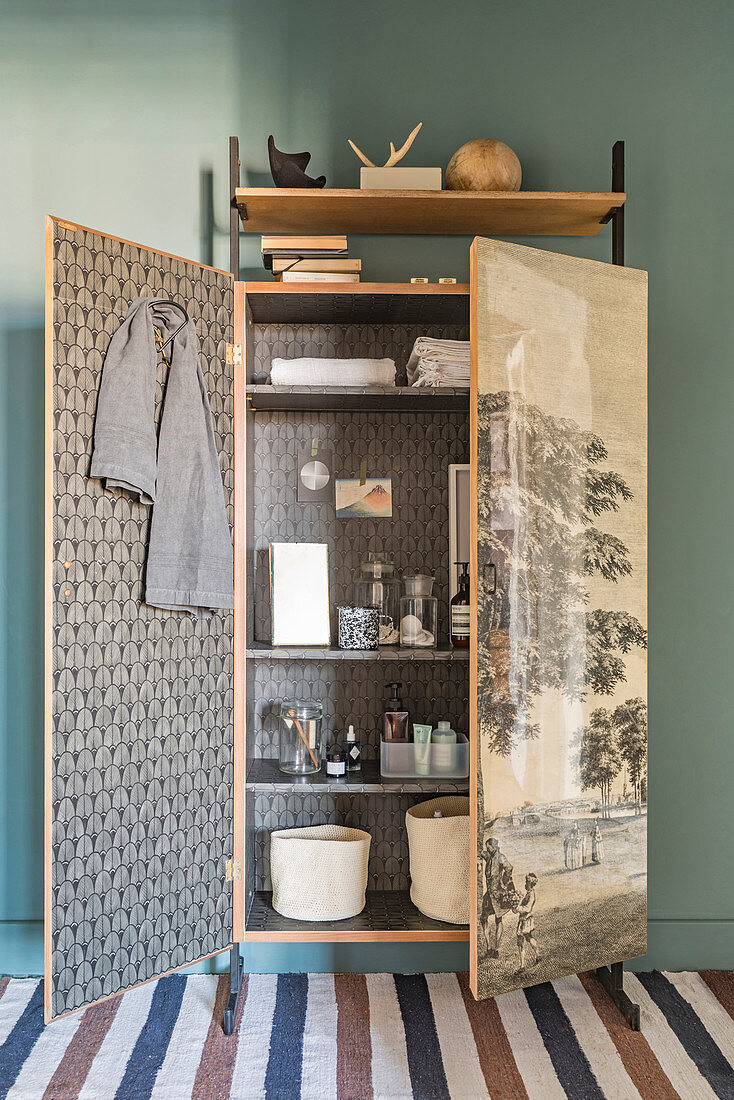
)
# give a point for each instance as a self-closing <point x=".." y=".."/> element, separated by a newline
<point x="439" y="362"/>
<point x="437" y="374"/>
<point x="312" y="371"/>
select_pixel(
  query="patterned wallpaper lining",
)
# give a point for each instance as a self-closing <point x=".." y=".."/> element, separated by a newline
<point x="415" y="450"/>
<point x="141" y="767"/>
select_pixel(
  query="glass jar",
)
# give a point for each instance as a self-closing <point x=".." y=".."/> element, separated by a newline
<point x="379" y="587"/>
<point x="300" y="737"/>
<point x="418" y="613"/>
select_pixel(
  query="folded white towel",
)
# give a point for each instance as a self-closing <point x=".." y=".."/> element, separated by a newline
<point x="439" y="362"/>
<point x="332" y="372"/>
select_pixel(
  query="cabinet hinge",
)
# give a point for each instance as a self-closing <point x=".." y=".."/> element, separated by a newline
<point x="233" y="355"/>
<point x="232" y="870"/>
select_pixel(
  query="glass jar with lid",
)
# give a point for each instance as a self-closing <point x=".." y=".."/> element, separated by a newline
<point x="418" y="612"/>
<point x="379" y="587"/>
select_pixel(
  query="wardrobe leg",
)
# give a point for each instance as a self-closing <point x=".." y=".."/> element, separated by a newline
<point x="612" y="978"/>
<point x="236" y="966"/>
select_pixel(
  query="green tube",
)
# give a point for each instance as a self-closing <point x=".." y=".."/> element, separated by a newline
<point x="422" y="751"/>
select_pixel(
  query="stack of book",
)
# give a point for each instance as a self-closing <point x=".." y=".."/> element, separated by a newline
<point x="310" y="260"/>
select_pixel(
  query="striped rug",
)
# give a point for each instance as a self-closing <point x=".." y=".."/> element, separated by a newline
<point x="366" y="1037"/>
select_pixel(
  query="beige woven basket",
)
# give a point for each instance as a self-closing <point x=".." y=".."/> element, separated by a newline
<point x="439" y="858"/>
<point x="319" y="873"/>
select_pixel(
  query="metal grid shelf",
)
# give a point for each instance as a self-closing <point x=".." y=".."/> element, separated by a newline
<point x="387" y="915"/>
<point x="264" y="652"/>
<point x="273" y="303"/>
<point x="265" y="775"/>
<point x="405" y="399"/>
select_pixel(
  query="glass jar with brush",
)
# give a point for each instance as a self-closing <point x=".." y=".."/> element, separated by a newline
<point x="300" y="737"/>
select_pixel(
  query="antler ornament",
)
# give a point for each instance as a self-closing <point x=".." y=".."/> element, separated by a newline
<point x="395" y="154"/>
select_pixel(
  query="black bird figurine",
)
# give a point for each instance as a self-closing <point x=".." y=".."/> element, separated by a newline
<point x="289" y="169"/>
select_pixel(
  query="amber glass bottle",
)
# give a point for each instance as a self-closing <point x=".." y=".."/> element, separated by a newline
<point x="460" y="610"/>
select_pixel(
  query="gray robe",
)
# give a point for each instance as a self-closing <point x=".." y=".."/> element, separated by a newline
<point x="189" y="565"/>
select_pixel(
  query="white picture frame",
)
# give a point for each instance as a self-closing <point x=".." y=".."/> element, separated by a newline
<point x="299" y="593"/>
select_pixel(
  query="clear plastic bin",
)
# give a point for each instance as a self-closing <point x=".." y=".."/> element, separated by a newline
<point x="398" y="760"/>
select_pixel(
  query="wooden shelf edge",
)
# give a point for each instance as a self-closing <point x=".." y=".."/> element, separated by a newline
<point x="324" y="194"/>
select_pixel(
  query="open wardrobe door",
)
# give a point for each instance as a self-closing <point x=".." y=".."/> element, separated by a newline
<point x="138" y="700"/>
<point x="559" y="727"/>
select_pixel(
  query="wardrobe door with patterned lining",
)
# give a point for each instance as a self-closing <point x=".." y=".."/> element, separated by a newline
<point x="139" y="702"/>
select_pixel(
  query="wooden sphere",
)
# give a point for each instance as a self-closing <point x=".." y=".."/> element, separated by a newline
<point x="483" y="165"/>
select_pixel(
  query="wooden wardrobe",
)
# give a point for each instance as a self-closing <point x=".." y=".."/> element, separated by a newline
<point x="161" y="732"/>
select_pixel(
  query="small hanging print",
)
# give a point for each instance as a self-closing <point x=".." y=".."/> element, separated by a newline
<point x="358" y="498"/>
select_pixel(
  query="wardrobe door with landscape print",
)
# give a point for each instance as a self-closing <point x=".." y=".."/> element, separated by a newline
<point x="139" y="705"/>
<point x="559" y="668"/>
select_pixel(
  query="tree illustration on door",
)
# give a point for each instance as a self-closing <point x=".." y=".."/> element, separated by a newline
<point x="553" y="638"/>
<point x="610" y="741"/>
<point x="539" y="500"/>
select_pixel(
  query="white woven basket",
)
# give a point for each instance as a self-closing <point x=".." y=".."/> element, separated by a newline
<point x="319" y="873"/>
<point x="439" y="858"/>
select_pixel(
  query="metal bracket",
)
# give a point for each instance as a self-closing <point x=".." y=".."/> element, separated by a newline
<point x="233" y="870"/>
<point x="618" y="215"/>
<point x="236" y="969"/>
<point x="608" y="217"/>
<point x="233" y="355"/>
<point x="234" y="214"/>
<point x="612" y="978"/>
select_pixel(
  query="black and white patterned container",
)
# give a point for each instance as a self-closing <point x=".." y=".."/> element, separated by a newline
<point x="359" y="627"/>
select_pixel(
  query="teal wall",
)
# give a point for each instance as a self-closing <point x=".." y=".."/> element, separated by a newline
<point x="111" y="113"/>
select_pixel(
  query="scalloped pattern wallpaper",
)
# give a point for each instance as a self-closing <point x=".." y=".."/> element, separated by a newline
<point x="141" y="750"/>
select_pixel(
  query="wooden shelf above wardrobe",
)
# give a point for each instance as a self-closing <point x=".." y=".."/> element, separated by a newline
<point x="456" y="213"/>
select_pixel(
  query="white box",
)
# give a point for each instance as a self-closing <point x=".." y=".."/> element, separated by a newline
<point x="400" y="179"/>
<point x="398" y="760"/>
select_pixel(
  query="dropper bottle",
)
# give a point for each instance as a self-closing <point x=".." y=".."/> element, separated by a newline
<point x="352" y="751"/>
